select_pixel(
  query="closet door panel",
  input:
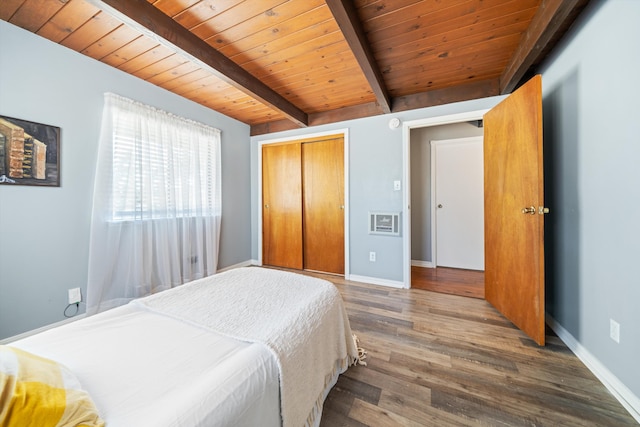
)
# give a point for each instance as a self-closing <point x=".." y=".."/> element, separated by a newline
<point x="282" y="206"/>
<point x="323" y="205"/>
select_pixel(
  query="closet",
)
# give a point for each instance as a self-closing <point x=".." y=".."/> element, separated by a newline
<point x="303" y="204"/>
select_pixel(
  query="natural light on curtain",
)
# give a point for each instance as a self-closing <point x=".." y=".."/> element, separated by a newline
<point x="156" y="207"/>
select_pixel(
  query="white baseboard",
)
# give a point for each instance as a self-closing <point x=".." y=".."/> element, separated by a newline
<point x="42" y="329"/>
<point x="238" y="265"/>
<point x="376" y="281"/>
<point x="419" y="263"/>
<point x="621" y="392"/>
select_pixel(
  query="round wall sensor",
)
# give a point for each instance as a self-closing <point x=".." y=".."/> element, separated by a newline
<point x="394" y="123"/>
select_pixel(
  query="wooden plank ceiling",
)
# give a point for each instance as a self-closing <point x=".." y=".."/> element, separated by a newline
<point x="282" y="64"/>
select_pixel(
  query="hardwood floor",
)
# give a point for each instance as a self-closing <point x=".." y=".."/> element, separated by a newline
<point x="468" y="283"/>
<point x="444" y="360"/>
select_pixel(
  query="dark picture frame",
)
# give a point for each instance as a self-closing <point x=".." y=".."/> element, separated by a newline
<point x="29" y="153"/>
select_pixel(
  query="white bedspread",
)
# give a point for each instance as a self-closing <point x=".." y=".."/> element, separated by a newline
<point x="146" y="369"/>
<point x="302" y="320"/>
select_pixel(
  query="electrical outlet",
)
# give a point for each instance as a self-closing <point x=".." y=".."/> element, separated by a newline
<point x="614" y="330"/>
<point x="75" y="296"/>
<point x="372" y="256"/>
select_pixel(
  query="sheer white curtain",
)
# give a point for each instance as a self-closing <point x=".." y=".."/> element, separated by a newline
<point x="156" y="208"/>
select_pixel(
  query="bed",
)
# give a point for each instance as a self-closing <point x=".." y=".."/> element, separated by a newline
<point x="247" y="347"/>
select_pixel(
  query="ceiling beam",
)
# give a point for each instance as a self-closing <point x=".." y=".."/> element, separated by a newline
<point x="551" y="20"/>
<point x="152" y="22"/>
<point x="465" y="92"/>
<point x="347" y="18"/>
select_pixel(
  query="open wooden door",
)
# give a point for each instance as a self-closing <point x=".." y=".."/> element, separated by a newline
<point x="514" y="200"/>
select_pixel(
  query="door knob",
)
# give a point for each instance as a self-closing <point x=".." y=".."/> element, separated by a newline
<point x="440" y="206"/>
<point x="530" y="210"/>
<point x="542" y="210"/>
<point x="266" y="206"/>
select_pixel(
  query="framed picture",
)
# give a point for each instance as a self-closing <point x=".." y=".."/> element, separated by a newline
<point x="29" y="153"/>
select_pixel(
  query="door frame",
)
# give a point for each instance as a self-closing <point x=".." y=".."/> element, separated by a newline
<point x="406" y="167"/>
<point x="434" y="222"/>
<point x="345" y="135"/>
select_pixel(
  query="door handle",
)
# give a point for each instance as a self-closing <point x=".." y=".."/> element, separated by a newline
<point x="440" y="206"/>
<point x="266" y="206"/>
<point x="530" y="210"/>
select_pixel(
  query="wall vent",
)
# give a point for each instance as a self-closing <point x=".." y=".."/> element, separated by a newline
<point x="385" y="223"/>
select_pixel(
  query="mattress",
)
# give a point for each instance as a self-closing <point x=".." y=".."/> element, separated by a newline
<point x="147" y="369"/>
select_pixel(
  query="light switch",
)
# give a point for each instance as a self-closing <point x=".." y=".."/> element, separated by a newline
<point x="396" y="185"/>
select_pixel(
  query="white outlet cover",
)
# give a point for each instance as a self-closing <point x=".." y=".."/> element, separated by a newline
<point x="614" y="330"/>
<point x="74" y="295"/>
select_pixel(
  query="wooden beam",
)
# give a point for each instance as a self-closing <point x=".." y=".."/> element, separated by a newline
<point x="552" y="18"/>
<point x="152" y="22"/>
<point x="474" y="90"/>
<point x="347" y="18"/>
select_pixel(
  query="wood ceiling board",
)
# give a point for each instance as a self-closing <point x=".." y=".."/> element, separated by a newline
<point x="8" y="8"/>
<point x="71" y="17"/>
<point x="129" y="51"/>
<point x="33" y="14"/>
<point x="265" y="52"/>
<point x="162" y="66"/>
<point x="151" y="56"/>
<point x="185" y="79"/>
<point x="112" y="42"/>
<point x="173" y="73"/>
<point x="173" y="7"/>
<point x="307" y="55"/>
<point x="250" y="28"/>
<point x="193" y="15"/>
<point x="232" y="16"/>
<point x="370" y="10"/>
<point x="495" y="50"/>
<point x="443" y="26"/>
<point x="91" y="31"/>
<point x="509" y="24"/>
<point x="313" y="23"/>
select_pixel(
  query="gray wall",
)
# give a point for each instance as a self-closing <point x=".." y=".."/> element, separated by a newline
<point x="592" y="149"/>
<point x="420" y="165"/>
<point x="44" y="232"/>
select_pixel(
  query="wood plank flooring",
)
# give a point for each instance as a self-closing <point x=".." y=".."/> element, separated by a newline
<point x="444" y="360"/>
<point x="469" y="283"/>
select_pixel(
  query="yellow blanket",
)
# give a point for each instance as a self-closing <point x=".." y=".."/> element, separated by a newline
<point x="35" y="391"/>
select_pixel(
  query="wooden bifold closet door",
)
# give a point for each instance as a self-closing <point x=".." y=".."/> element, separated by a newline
<point x="303" y="204"/>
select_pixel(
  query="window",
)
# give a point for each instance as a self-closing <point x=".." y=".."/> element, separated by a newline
<point x="163" y="169"/>
<point x="157" y="205"/>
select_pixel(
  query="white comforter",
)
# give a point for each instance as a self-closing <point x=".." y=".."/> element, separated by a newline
<point x="246" y="347"/>
<point x="301" y="319"/>
<point x="145" y="369"/>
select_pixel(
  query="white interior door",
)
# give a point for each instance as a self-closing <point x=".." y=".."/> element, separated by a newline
<point x="458" y="202"/>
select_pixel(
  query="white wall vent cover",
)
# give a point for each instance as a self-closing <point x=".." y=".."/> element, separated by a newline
<point x="386" y="223"/>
